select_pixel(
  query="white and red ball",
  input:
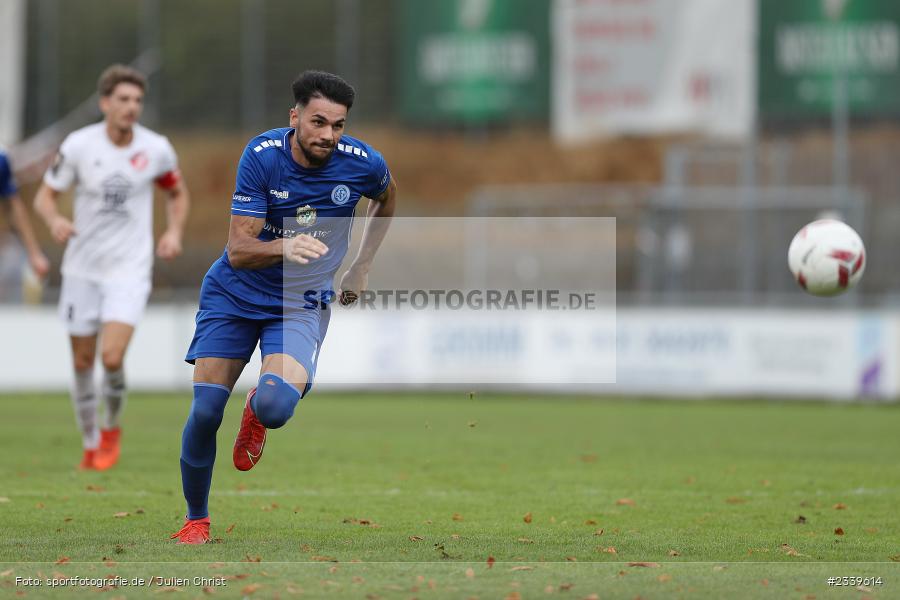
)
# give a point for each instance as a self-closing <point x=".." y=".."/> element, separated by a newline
<point x="827" y="257"/>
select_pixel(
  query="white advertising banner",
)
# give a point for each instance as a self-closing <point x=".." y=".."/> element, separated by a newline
<point x="652" y="67"/>
<point x="677" y="352"/>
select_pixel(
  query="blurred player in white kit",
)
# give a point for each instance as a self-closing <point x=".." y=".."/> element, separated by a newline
<point x="108" y="262"/>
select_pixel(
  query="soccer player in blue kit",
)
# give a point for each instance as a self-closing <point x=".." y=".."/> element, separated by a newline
<point x="291" y="214"/>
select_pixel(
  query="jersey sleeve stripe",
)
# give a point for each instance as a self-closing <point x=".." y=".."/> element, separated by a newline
<point x="256" y="212"/>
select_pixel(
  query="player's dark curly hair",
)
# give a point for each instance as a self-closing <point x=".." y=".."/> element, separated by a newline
<point x="319" y="84"/>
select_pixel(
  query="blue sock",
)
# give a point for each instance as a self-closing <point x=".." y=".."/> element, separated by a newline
<point x="274" y="401"/>
<point x="198" y="446"/>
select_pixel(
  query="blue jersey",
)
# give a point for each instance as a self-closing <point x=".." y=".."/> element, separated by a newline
<point x="293" y="199"/>
<point x="7" y="183"/>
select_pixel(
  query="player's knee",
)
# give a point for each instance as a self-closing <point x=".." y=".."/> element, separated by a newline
<point x="112" y="360"/>
<point x="275" y="401"/>
<point x="208" y="407"/>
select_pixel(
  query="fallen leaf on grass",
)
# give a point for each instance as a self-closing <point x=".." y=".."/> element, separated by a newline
<point x="789" y="551"/>
<point x="248" y="558"/>
<point x="94" y="488"/>
<point x="598" y="532"/>
<point x="643" y="564"/>
<point x="454" y="536"/>
<point x="230" y="528"/>
<point x="323" y="558"/>
<point x="840" y="506"/>
<point x="549" y="589"/>
<point x="67" y="519"/>
<point x="168" y="590"/>
<point x="293" y="590"/>
<point x="62" y="560"/>
<point x="522" y="568"/>
<point x="110" y="563"/>
<point x="800" y="519"/>
<point x="590" y="522"/>
<point x="624" y="502"/>
<point x="764" y="582"/>
<point x="839" y="531"/>
<point x="527" y="518"/>
<point x="895" y="558"/>
<point x="238" y="576"/>
<point x="209" y="591"/>
<point x="139" y="511"/>
<point x="39" y="505"/>
<point x="565" y="587"/>
<point x="572" y="559"/>
<point x="863" y="588"/>
<point x="333" y="569"/>
<point x="457" y="517"/>
<point x="514" y="596"/>
<point x="250" y="589"/>
<point x="525" y="540"/>
<point x="6" y="573"/>
<point x="674" y="553"/>
<point x="472" y="423"/>
<point x="871" y="530"/>
<point x="719" y="568"/>
<point x="121" y="515"/>
<point x="609" y="550"/>
<point x="589" y="458"/>
<point x="490" y="561"/>
<point x="664" y="578"/>
<point x="470" y="573"/>
<point x="416" y="538"/>
<point x="591" y="597"/>
<point x="3" y="499"/>
<point x="735" y="500"/>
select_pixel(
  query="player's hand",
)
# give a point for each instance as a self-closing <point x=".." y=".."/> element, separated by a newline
<point x="39" y="264"/>
<point x="353" y="283"/>
<point x="304" y="248"/>
<point x="62" y="229"/>
<point x="169" y="245"/>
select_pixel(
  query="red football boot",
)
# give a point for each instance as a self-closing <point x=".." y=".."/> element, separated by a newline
<point x="108" y="453"/>
<point x="251" y="439"/>
<point x="87" y="460"/>
<point x="195" y="531"/>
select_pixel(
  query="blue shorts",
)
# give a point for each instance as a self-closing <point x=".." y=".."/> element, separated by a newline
<point x="299" y="335"/>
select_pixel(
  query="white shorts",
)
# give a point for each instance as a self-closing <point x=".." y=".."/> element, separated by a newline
<point x="84" y="304"/>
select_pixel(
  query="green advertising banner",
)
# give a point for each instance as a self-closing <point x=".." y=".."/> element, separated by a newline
<point x="469" y="61"/>
<point x="804" y="45"/>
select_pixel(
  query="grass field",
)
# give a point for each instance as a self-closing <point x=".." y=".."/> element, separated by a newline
<point x="375" y="496"/>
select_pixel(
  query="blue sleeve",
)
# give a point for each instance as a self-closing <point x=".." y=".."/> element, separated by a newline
<point x="7" y="183"/>
<point x="251" y="192"/>
<point x="379" y="175"/>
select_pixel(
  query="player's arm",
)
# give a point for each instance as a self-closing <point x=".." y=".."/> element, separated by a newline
<point x="378" y="220"/>
<point x="247" y="251"/>
<point x="46" y="205"/>
<point x="177" y="207"/>
<point x="18" y="218"/>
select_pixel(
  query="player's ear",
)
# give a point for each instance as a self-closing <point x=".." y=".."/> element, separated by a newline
<point x="104" y="104"/>
<point x="295" y="116"/>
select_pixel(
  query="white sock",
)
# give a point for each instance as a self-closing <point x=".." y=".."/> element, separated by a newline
<point x="84" y="401"/>
<point x="113" y="396"/>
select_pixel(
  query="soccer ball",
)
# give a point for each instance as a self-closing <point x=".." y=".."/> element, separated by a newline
<point x="827" y="257"/>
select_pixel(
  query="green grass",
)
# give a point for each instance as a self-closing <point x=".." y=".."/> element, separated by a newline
<point x="711" y="491"/>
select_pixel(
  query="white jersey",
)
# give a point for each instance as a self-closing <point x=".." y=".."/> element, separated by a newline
<point x="113" y="200"/>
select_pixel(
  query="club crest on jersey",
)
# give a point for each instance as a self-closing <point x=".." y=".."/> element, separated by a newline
<point x="306" y="216"/>
<point x="139" y="161"/>
<point x="340" y="194"/>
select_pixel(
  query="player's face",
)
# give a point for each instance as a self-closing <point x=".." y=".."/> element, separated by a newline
<point x="123" y="107"/>
<point x="318" y="126"/>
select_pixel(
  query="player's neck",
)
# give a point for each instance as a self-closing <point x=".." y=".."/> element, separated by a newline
<point x="119" y="137"/>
